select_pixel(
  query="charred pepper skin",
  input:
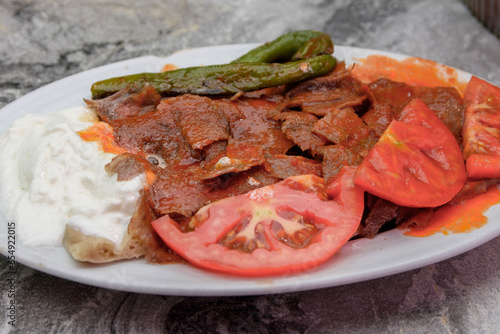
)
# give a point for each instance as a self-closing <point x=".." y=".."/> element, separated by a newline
<point x="295" y="45"/>
<point x="292" y="57"/>
<point x="224" y="79"/>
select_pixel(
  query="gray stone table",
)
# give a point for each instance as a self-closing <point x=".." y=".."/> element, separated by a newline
<point x="45" y="40"/>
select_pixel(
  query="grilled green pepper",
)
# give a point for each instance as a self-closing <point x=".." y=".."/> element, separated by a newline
<point x="305" y="54"/>
<point x="220" y="79"/>
<point x="291" y="46"/>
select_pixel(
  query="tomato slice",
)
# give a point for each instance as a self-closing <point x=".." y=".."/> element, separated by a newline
<point x="416" y="162"/>
<point x="481" y="130"/>
<point x="290" y="226"/>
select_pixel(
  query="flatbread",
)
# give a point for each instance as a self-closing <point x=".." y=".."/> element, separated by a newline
<point x="95" y="249"/>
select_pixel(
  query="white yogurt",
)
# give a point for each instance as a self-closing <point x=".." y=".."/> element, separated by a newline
<point x="50" y="177"/>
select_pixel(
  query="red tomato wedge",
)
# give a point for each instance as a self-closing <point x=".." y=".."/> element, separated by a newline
<point x="481" y="130"/>
<point x="416" y="162"/>
<point x="290" y="226"/>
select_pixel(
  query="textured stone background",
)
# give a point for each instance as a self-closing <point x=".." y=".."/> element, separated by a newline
<point x="45" y="40"/>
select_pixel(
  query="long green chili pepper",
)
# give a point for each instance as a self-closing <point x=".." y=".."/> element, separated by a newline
<point x="317" y="46"/>
<point x="220" y="79"/>
<point x="305" y="54"/>
<point x="291" y="46"/>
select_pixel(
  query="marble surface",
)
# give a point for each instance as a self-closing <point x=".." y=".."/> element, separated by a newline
<point x="45" y="40"/>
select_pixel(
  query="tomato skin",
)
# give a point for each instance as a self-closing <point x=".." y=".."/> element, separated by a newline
<point x="415" y="163"/>
<point x="483" y="167"/>
<point x="305" y="195"/>
<point x="481" y="130"/>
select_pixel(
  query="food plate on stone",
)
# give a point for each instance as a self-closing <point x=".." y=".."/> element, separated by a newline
<point x="387" y="253"/>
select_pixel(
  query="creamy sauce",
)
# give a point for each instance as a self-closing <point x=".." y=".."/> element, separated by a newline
<point x="54" y="178"/>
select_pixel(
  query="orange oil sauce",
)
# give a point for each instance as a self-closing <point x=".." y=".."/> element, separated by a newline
<point x="103" y="134"/>
<point x="168" y="67"/>
<point x="411" y="70"/>
<point x="463" y="217"/>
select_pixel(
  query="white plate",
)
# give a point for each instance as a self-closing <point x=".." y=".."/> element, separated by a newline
<point x="388" y="253"/>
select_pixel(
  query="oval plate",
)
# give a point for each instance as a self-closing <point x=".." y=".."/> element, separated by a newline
<point x="388" y="253"/>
